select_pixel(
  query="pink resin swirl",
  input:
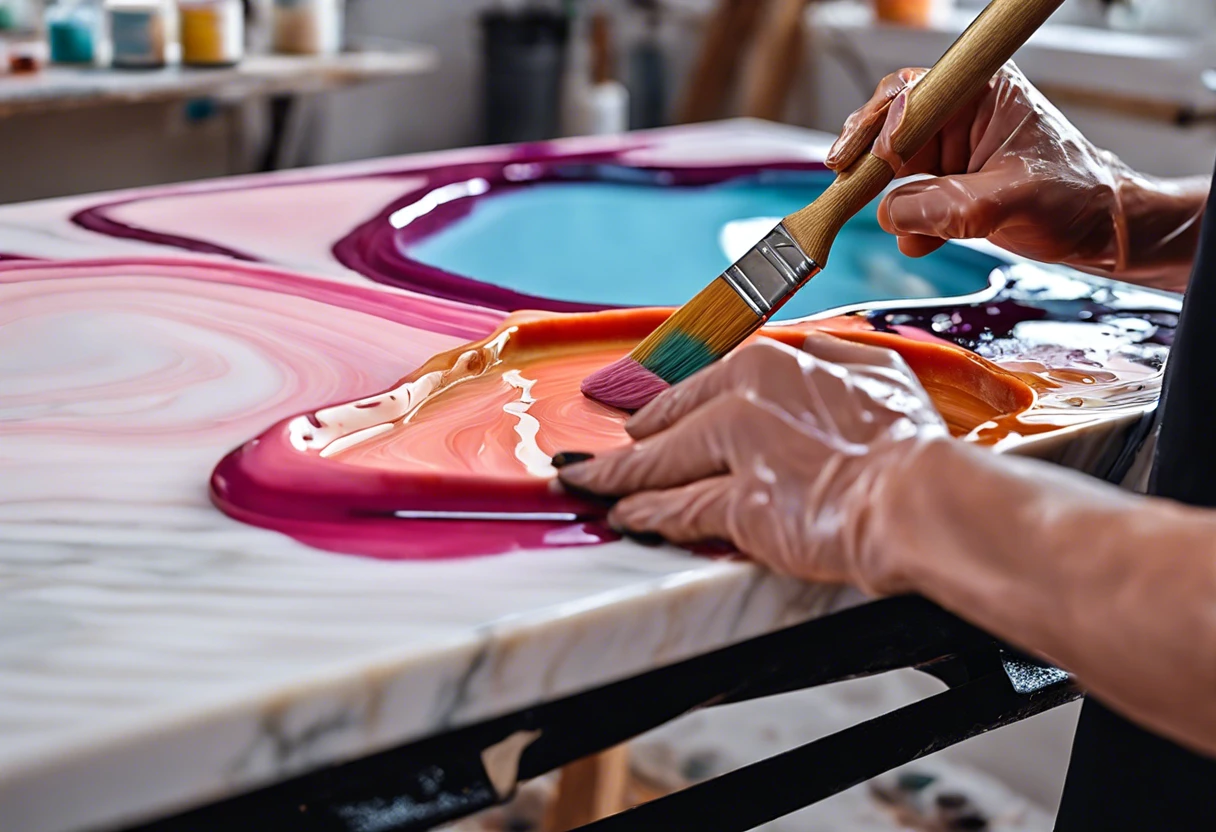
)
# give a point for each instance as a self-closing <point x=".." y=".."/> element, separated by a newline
<point x="123" y="382"/>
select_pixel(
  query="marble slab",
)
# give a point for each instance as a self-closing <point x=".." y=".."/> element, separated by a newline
<point x="155" y="655"/>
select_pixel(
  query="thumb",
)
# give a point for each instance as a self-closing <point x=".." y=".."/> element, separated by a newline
<point x="963" y="207"/>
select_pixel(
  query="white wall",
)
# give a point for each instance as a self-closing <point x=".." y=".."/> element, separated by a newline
<point x="424" y="113"/>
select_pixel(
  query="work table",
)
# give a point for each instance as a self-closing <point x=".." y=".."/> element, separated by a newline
<point x="155" y="654"/>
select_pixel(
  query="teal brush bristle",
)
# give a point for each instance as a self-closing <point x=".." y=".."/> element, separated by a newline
<point x="695" y="336"/>
<point x="677" y="356"/>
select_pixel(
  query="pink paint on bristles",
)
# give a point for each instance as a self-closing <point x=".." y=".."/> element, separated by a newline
<point x="625" y="384"/>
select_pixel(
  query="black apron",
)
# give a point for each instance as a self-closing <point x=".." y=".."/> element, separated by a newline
<point x="1121" y="776"/>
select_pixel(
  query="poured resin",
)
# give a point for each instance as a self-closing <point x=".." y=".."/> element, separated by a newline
<point x="473" y="430"/>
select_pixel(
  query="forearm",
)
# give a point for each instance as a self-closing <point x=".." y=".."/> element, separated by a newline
<point x="1118" y="589"/>
<point x="1160" y="229"/>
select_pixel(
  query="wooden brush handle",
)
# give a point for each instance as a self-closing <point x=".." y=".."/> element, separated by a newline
<point x="987" y="44"/>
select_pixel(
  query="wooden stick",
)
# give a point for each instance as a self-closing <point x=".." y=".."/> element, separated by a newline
<point x="778" y="53"/>
<point x="1136" y="107"/>
<point x="590" y="789"/>
<point x="729" y="31"/>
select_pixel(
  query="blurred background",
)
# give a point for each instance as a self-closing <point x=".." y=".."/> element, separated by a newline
<point x="102" y="94"/>
<point x="108" y="94"/>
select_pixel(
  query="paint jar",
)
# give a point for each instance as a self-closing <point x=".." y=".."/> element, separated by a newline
<point x="137" y="34"/>
<point x="307" y="27"/>
<point x="26" y="55"/>
<point x="920" y="13"/>
<point x="72" y="29"/>
<point x="16" y="15"/>
<point x="212" y="32"/>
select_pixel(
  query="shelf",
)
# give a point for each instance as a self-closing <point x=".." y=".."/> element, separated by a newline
<point x="57" y="88"/>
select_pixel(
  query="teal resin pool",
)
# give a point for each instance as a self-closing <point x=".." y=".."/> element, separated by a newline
<point x="647" y="245"/>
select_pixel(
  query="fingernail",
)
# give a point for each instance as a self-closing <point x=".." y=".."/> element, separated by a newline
<point x="895" y="116"/>
<point x="563" y="458"/>
<point x="892" y="200"/>
<point x="641" y="538"/>
<point x="833" y="152"/>
<point x="569" y="481"/>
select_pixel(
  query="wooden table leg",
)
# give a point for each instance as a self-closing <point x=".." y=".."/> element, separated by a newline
<point x="590" y="789"/>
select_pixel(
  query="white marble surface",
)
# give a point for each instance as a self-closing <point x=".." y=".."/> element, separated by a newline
<point x="155" y="654"/>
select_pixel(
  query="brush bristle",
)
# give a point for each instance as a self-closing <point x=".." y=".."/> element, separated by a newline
<point x="625" y="384"/>
<point x="699" y="333"/>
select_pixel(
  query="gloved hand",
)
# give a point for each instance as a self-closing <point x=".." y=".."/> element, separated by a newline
<point x="777" y="451"/>
<point x="1011" y="168"/>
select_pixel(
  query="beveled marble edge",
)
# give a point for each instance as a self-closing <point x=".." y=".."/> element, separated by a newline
<point x="134" y="770"/>
<point x="268" y="734"/>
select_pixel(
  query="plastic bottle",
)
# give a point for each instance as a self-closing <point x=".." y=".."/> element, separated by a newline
<point x="72" y="31"/>
<point x="596" y="104"/>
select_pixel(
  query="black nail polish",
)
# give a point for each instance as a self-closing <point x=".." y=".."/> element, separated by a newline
<point x="563" y="458"/>
<point x="589" y="496"/>
<point x="641" y="538"/>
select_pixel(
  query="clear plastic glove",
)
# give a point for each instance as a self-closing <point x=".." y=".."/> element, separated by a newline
<point x="832" y="465"/>
<point x="776" y="451"/>
<point x="1012" y="169"/>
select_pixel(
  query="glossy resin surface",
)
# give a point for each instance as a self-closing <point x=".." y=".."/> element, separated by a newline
<point x="474" y="430"/>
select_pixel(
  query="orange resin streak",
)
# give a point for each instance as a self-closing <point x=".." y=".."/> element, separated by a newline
<point x="506" y="420"/>
<point x="505" y="423"/>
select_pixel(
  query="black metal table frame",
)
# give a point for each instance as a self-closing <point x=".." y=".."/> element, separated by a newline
<point x="443" y="778"/>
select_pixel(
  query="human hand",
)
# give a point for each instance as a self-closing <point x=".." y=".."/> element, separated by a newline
<point x="1011" y="168"/>
<point x="778" y="451"/>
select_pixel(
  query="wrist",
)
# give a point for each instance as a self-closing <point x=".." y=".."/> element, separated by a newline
<point x="1156" y="227"/>
<point x="893" y="537"/>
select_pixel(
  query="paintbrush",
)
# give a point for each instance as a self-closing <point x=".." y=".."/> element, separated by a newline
<point x="747" y="294"/>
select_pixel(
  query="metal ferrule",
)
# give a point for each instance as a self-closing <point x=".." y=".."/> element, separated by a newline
<point x="772" y="271"/>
